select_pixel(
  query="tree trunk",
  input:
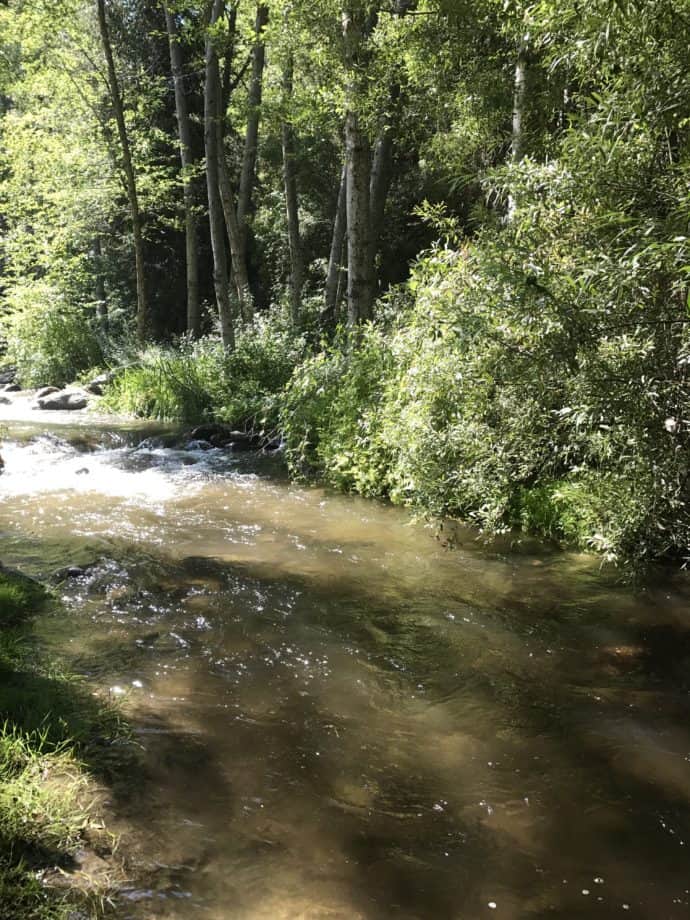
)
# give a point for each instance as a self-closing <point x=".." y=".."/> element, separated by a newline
<point x="248" y="173"/>
<point x="519" y="97"/>
<point x="212" y="117"/>
<point x="382" y="173"/>
<point x="130" y="178"/>
<point x="291" y="203"/>
<point x="517" y="147"/>
<point x="185" y="138"/>
<point x="335" y="266"/>
<point x="239" y="266"/>
<point x="360" y="266"/>
<point x="99" y="286"/>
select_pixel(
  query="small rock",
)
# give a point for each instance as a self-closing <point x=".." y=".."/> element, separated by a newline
<point x="11" y="388"/>
<point x="82" y="471"/>
<point x="5" y="401"/>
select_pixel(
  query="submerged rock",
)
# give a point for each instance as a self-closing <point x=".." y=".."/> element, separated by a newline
<point x="70" y="571"/>
<point x="198" y="445"/>
<point x="223" y="436"/>
<point x="5" y="401"/>
<point x="64" y="399"/>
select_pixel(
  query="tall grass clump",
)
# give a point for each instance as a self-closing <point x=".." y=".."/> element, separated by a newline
<point x="201" y="380"/>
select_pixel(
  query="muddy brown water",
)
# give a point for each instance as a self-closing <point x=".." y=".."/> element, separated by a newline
<point x="342" y="718"/>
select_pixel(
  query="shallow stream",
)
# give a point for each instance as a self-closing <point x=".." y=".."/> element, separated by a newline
<point x="343" y="718"/>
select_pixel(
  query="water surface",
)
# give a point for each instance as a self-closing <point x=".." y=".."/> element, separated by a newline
<point x="342" y="718"/>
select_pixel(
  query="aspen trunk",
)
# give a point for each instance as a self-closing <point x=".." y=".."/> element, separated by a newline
<point x="212" y="117"/>
<point x="99" y="286"/>
<point x="239" y="266"/>
<point x="517" y="147"/>
<point x="379" y="186"/>
<point x="248" y="172"/>
<point x="129" y="175"/>
<point x="185" y="138"/>
<point x="519" y="98"/>
<point x="360" y="264"/>
<point x="292" y="204"/>
<point x="335" y="259"/>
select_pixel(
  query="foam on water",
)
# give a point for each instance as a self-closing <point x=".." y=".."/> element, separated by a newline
<point x="146" y="474"/>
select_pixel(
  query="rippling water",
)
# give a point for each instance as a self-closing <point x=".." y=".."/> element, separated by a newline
<point x="341" y="718"/>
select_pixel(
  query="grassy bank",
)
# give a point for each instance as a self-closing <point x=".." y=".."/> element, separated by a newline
<point x="55" y="855"/>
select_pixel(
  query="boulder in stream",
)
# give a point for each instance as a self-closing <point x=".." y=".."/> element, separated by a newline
<point x="11" y="388"/>
<point x="64" y="399"/>
<point x="46" y="391"/>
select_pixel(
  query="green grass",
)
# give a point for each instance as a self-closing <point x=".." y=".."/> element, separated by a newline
<point x="56" y="753"/>
<point x="18" y="596"/>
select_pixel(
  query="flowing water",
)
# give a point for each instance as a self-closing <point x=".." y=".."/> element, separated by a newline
<point x="341" y="717"/>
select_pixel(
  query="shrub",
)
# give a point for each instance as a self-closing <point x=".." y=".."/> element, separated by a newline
<point x="48" y="339"/>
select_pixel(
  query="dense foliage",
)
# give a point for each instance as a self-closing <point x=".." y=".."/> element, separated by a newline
<point x="489" y="318"/>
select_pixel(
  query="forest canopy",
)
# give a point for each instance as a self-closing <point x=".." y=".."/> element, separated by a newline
<point x="438" y="247"/>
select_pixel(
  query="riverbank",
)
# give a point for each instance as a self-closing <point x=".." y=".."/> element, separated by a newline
<point x="57" y="856"/>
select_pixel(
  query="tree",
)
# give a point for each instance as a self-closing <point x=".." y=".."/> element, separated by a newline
<point x="360" y="263"/>
<point x="184" y="128"/>
<point x="128" y="169"/>
<point x="213" y="148"/>
<point x="248" y="172"/>
<point x="291" y="200"/>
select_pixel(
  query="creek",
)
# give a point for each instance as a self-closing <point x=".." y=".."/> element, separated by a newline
<point x="340" y="716"/>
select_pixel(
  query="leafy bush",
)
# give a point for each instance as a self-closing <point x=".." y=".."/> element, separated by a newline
<point x="330" y="414"/>
<point x="510" y="391"/>
<point x="48" y="339"/>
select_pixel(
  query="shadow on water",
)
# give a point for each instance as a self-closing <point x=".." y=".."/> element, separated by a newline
<point x="398" y="756"/>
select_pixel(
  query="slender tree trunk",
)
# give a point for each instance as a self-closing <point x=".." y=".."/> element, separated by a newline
<point x="128" y="168"/>
<point x="291" y="202"/>
<point x="101" y="301"/>
<point x="519" y="98"/>
<point x="335" y="259"/>
<point x="186" y="158"/>
<point x="517" y="147"/>
<point x="239" y="266"/>
<point x="248" y="173"/>
<point x="360" y="266"/>
<point x="212" y="117"/>
<point x="381" y="176"/>
<point x="382" y="173"/>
